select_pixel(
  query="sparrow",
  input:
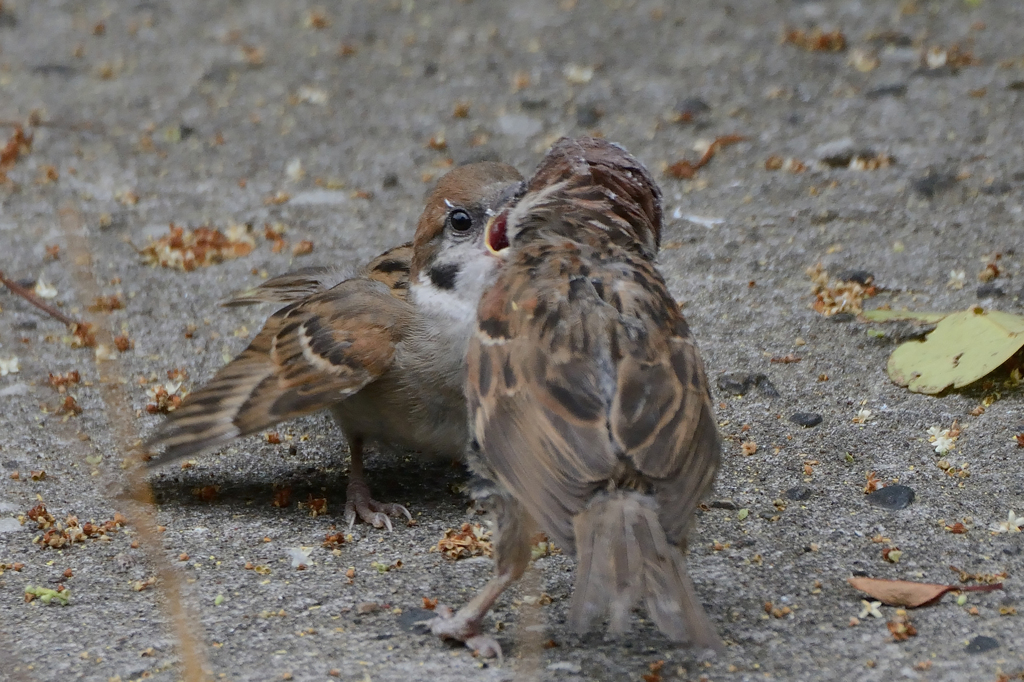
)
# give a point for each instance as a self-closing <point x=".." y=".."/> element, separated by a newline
<point x="383" y="351"/>
<point x="589" y="408"/>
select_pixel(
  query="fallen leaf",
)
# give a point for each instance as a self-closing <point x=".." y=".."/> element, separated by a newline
<point x="911" y="594"/>
<point x="964" y="347"/>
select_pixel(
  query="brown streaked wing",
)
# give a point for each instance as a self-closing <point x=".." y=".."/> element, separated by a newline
<point x="309" y="355"/>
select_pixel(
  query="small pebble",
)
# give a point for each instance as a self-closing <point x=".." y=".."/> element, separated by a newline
<point x="890" y="90"/>
<point x="933" y="184"/>
<point x="587" y="115"/>
<point x="691" y="108"/>
<point x="892" y="497"/>
<point x="990" y="290"/>
<point x="841" y="318"/>
<point x="799" y="493"/>
<point x="981" y="644"/>
<point x="723" y="504"/>
<point x="735" y="383"/>
<point x="739" y="383"/>
<point x="807" y="419"/>
<point x="862" y="277"/>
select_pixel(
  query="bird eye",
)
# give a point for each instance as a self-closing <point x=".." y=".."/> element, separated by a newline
<point x="460" y="220"/>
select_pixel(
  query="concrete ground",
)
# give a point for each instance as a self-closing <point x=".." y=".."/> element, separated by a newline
<point x="194" y="112"/>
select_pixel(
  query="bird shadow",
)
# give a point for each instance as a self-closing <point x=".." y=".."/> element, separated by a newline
<point x="401" y="477"/>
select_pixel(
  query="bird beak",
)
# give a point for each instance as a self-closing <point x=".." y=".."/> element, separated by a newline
<point x="496" y="234"/>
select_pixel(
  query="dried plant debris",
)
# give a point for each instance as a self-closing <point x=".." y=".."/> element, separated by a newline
<point x="541" y="546"/>
<point x="61" y="534"/>
<point x="774" y="163"/>
<point x="62" y="381"/>
<point x="200" y="247"/>
<point x="106" y="304"/>
<point x="952" y="58"/>
<point x="843" y="154"/>
<point x="815" y="39"/>
<point x="964" y="347"/>
<point x="910" y="594"/>
<point x="165" y="397"/>
<point x="686" y="170"/>
<point x="470" y="540"/>
<point x="993" y="579"/>
<point x="17" y="146"/>
<point x="317" y="506"/>
<point x="901" y="627"/>
<point x="834" y="296"/>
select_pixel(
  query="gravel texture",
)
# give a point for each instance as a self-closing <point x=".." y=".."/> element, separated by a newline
<point x="193" y="112"/>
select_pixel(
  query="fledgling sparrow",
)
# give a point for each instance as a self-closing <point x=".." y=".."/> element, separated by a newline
<point x="590" y="414"/>
<point x="383" y="351"/>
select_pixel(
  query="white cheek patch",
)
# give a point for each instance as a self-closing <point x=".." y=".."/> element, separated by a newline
<point x="457" y="305"/>
<point x="435" y="302"/>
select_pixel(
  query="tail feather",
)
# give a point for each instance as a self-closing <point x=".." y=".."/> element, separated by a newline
<point x="624" y="557"/>
<point x="237" y="402"/>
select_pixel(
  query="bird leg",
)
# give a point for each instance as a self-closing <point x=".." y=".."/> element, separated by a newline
<point x="358" y="501"/>
<point x="512" y="556"/>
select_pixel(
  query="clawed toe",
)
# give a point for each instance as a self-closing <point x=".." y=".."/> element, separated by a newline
<point x="360" y="505"/>
<point x="449" y="625"/>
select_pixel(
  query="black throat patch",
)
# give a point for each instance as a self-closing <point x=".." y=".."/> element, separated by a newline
<point x="444" y="276"/>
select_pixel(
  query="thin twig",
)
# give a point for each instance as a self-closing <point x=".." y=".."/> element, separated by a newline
<point x="19" y="290"/>
<point x="685" y="170"/>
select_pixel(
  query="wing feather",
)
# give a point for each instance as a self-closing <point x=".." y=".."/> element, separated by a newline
<point x="309" y="355"/>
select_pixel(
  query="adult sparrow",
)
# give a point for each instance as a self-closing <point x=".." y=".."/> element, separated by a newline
<point x="383" y="351"/>
<point x="589" y="407"/>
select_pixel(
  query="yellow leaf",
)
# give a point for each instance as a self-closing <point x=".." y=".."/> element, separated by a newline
<point x="964" y="347"/>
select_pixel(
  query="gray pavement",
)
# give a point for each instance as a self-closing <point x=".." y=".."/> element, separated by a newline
<point x="193" y="113"/>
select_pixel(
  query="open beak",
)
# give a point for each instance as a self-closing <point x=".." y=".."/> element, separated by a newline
<point x="496" y="234"/>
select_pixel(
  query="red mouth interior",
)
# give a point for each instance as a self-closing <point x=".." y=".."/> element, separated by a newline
<point x="497" y="233"/>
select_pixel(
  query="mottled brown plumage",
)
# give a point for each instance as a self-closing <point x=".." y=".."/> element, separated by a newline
<point x="589" y="406"/>
<point x="383" y="350"/>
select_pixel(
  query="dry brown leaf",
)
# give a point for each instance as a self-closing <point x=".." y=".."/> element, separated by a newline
<point x="911" y="594"/>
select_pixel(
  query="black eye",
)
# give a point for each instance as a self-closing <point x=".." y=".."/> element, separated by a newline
<point x="460" y="220"/>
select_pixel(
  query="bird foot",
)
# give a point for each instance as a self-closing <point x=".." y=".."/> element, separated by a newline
<point x="466" y="629"/>
<point x="359" y="503"/>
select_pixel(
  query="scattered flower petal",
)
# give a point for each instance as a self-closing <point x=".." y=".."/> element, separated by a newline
<point x="9" y="366"/>
<point x="1012" y="524"/>
<point x="863" y="416"/>
<point x="870" y="608"/>
<point x="44" y="289"/>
